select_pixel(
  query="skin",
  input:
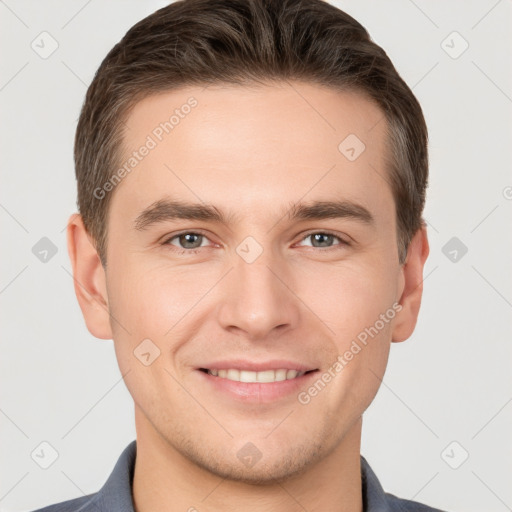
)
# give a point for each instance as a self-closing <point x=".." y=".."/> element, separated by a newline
<point x="251" y="151"/>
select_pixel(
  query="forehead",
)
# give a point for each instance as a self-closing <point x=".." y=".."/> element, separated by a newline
<point x="244" y="146"/>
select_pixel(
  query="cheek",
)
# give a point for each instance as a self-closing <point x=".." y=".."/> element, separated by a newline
<point x="356" y="303"/>
<point x="350" y="299"/>
<point x="358" y="306"/>
<point x="153" y="301"/>
<point x="140" y="317"/>
<point x="146" y="307"/>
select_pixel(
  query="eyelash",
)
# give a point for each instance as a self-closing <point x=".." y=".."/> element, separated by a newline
<point x="167" y="242"/>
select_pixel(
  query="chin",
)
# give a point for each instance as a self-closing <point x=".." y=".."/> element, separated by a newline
<point x="251" y="466"/>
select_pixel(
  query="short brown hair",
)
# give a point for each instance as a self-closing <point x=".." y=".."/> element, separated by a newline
<point x="201" y="42"/>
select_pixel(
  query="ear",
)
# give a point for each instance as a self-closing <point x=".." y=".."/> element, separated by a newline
<point x="89" y="279"/>
<point x="412" y="279"/>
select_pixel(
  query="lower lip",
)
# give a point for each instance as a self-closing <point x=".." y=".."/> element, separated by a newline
<point x="257" y="392"/>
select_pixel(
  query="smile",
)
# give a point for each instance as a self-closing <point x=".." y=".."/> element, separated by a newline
<point x="264" y="376"/>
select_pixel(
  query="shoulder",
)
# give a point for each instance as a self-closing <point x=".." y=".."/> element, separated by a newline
<point x="82" y="504"/>
<point x="114" y="496"/>
<point x="375" y="499"/>
<point x="403" y="505"/>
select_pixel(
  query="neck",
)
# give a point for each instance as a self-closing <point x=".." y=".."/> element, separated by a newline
<point x="165" y="480"/>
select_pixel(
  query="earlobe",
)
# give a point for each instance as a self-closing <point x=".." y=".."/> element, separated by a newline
<point x="89" y="279"/>
<point x="412" y="277"/>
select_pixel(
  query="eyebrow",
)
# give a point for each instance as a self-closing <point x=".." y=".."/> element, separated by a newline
<point x="165" y="210"/>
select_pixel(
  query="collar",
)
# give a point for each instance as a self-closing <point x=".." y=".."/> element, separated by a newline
<point x="116" y="493"/>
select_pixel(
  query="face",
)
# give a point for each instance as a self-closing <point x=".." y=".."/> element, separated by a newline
<point x="252" y="241"/>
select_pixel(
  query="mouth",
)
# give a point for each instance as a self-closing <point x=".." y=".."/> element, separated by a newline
<point x="255" y="381"/>
<point x="260" y="377"/>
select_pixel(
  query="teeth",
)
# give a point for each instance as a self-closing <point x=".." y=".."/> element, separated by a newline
<point x="264" y="376"/>
<point x="233" y="375"/>
<point x="291" y="374"/>
<point x="282" y="374"/>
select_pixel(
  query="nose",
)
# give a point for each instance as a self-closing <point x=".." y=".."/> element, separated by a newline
<point x="258" y="299"/>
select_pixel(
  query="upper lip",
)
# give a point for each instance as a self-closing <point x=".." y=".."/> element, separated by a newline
<point x="255" y="366"/>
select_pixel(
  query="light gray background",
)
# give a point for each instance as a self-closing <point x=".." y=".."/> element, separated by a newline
<point x="450" y="382"/>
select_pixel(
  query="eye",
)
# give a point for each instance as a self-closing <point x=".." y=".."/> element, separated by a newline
<point x="324" y="239"/>
<point x="188" y="241"/>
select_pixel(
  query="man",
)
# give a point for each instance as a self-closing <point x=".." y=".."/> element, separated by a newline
<point x="251" y="181"/>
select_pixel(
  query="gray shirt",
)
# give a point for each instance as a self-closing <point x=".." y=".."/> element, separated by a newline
<point x="116" y="494"/>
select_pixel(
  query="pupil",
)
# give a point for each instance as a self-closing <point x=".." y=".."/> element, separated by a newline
<point x="185" y="239"/>
<point x="320" y="236"/>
